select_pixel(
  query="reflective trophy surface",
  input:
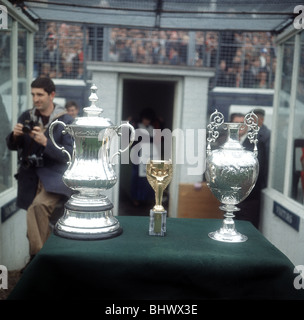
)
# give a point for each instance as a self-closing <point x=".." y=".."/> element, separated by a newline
<point x="159" y="175"/>
<point x="231" y="171"/>
<point x="88" y="212"/>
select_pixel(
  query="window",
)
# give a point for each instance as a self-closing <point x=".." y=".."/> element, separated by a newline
<point x="5" y="105"/>
<point x="22" y="64"/>
<point x="297" y="186"/>
<point x="282" y="120"/>
<point x="16" y="73"/>
<point x="287" y="174"/>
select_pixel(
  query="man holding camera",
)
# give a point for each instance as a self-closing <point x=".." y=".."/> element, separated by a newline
<point x="41" y="164"/>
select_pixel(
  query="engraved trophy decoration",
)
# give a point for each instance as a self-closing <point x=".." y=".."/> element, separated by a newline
<point x="88" y="213"/>
<point x="231" y="171"/>
<point x="159" y="175"/>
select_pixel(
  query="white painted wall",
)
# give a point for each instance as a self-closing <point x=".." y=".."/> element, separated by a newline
<point x="14" y="247"/>
<point x="284" y="237"/>
<point x="194" y="113"/>
<point x="14" y="243"/>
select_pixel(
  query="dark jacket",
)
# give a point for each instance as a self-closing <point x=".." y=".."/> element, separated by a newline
<point x="263" y="168"/>
<point x="50" y="169"/>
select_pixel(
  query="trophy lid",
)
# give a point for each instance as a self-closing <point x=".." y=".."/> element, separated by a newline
<point x="92" y="114"/>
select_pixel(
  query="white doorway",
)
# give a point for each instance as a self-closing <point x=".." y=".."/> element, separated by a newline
<point x="157" y="96"/>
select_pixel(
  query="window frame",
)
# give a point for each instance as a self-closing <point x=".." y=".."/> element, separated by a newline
<point x="287" y="175"/>
<point x="18" y="19"/>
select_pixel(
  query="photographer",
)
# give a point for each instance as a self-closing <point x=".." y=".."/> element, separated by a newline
<point x="41" y="164"/>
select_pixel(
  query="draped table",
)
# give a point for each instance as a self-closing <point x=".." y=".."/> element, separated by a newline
<point x="185" y="264"/>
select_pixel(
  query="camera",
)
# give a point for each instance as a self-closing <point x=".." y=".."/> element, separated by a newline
<point x="29" y="125"/>
<point x="35" y="161"/>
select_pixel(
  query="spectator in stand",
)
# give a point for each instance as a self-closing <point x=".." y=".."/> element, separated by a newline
<point x="222" y="77"/>
<point x="199" y="48"/>
<point x="174" y="57"/>
<point x="133" y="48"/>
<point x="68" y="70"/>
<point x="51" y="27"/>
<point x="248" y="77"/>
<point x="113" y="55"/>
<point x="172" y="42"/>
<point x="263" y="57"/>
<point x="162" y="39"/>
<point x="183" y="49"/>
<point x="141" y="54"/>
<point x="228" y="50"/>
<point x="262" y="79"/>
<point x="231" y="77"/>
<point x="210" y="51"/>
<point x="162" y="57"/>
<point x="155" y="51"/>
<point x="254" y="72"/>
<point x="80" y="72"/>
<point x="255" y="66"/>
<point x="124" y="53"/>
<point x="68" y="53"/>
<point x="238" y="74"/>
<point x="70" y="42"/>
<point x="46" y="70"/>
<point x="51" y="54"/>
<point x="238" y="56"/>
<point x="148" y="52"/>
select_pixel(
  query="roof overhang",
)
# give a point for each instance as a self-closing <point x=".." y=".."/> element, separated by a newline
<point x="245" y="15"/>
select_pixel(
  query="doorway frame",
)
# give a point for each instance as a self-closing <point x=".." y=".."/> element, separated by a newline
<point x="176" y="123"/>
<point x="191" y="96"/>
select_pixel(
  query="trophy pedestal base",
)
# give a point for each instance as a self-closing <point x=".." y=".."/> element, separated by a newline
<point x="222" y="235"/>
<point x="88" y="219"/>
<point x="87" y="236"/>
<point x="228" y="232"/>
<point x="158" y="223"/>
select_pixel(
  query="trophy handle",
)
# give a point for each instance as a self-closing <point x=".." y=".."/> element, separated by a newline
<point x="132" y="138"/>
<point x="216" y="120"/>
<point x="51" y="128"/>
<point x="251" y="120"/>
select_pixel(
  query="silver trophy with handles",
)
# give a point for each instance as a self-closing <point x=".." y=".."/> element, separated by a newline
<point x="231" y="171"/>
<point x="88" y="212"/>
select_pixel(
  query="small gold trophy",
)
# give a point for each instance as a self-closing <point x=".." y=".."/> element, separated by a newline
<point x="159" y="175"/>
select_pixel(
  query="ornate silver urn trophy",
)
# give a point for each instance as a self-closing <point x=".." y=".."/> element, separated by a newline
<point x="231" y="171"/>
<point x="88" y="212"/>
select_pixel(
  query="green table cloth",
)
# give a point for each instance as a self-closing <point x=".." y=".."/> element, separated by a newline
<point x="185" y="264"/>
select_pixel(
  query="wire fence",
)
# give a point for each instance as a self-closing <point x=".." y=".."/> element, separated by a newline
<point x="240" y="59"/>
<point x="59" y="51"/>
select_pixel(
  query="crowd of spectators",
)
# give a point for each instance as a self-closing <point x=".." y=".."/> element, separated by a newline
<point x="62" y="51"/>
<point x="240" y="59"/>
<point x="149" y="47"/>
<point x="246" y="60"/>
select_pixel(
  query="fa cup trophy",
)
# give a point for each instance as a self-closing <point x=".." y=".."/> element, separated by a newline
<point x="88" y="212"/>
<point x="159" y="175"/>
